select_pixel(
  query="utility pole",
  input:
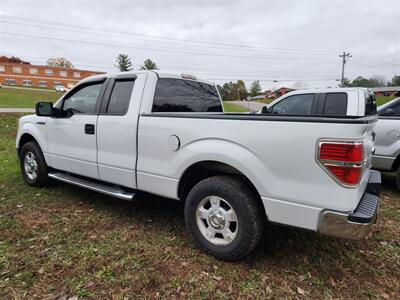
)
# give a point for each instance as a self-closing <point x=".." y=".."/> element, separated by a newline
<point x="345" y="57"/>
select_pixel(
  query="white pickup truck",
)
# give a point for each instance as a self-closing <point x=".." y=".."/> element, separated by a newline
<point x="167" y="134"/>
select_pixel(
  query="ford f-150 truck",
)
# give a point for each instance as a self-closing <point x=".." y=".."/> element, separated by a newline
<point x="387" y="155"/>
<point x="167" y="134"/>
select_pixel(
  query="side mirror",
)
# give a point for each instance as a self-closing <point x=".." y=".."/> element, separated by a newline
<point x="44" y="109"/>
<point x="265" y="110"/>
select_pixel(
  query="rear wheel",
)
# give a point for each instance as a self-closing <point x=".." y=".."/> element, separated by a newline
<point x="33" y="165"/>
<point x="224" y="217"/>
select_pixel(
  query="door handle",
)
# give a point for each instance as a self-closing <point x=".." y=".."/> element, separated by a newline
<point x="89" y="128"/>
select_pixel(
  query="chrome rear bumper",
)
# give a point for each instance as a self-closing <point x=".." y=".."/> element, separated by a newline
<point x="356" y="224"/>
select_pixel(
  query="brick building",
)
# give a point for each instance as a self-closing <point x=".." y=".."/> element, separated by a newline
<point x="387" y="91"/>
<point x="279" y="92"/>
<point x="40" y="76"/>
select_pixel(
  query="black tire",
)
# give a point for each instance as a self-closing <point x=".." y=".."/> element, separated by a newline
<point x="41" y="177"/>
<point x="249" y="213"/>
<point x="398" y="179"/>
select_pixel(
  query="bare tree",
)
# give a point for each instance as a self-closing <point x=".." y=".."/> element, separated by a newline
<point x="60" y="62"/>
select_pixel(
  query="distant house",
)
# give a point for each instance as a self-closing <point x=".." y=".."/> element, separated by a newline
<point x="255" y="98"/>
<point x="387" y="91"/>
<point x="279" y="92"/>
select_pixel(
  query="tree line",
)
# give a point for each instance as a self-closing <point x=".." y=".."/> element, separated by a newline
<point x="237" y="90"/>
<point x="374" y="81"/>
<point x="229" y="90"/>
<point x="123" y="62"/>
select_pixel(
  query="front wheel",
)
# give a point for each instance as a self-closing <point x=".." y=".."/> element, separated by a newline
<point x="33" y="165"/>
<point x="224" y="217"/>
<point x="398" y="179"/>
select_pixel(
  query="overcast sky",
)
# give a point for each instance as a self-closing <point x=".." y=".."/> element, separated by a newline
<point x="296" y="43"/>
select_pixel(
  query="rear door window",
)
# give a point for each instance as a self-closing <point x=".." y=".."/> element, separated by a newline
<point x="179" y="95"/>
<point x="120" y="97"/>
<point x="298" y="105"/>
<point x="335" y="104"/>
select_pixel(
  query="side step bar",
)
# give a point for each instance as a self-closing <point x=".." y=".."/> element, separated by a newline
<point x="93" y="186"/>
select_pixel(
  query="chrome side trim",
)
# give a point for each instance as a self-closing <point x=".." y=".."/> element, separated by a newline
<point x="382" y="162"/>
<point x="93" y="186"/>
<point x="384" y="156"/>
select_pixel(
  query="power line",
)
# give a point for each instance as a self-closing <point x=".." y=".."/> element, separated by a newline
<point x="177" y="42"/>
<point x="169" y="39"/>
<point x="145" y="37"/>
<point x="203" y="2"/>
<point x="114" y="45"/>
<point x="207" y="71"/>
<point x="274" y="79"/>
<point x="372" y="67"/>
<point x="378" y="60"/>
<point x="210" y="43"/>
<point x="244" y="76"/>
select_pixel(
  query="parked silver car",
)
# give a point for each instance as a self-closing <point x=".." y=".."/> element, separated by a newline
<point x="387" y="139"/>
<point x="60" y="88"/>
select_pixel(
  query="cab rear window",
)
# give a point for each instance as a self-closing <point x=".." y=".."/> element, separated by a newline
<point x="179" y="95"/>
<point x="335" y="104"/>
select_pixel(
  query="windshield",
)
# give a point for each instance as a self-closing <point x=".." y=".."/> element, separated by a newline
<point x="383" y="106"/>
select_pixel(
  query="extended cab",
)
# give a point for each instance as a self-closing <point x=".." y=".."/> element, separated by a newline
<point x="167" y="134"/>
<point x="339" y="102"/>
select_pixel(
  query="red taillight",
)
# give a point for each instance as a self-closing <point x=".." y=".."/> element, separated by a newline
<point x="347" y="175"/>
<point x="342" y="152"/>
<point x="343" y="160"/>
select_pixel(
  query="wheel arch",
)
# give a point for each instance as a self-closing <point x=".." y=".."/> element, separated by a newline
<point x="25" y="138"/>
<point x="396" y="164"/>
<point x="207" y="168"/>
<point x="30" y="133"/>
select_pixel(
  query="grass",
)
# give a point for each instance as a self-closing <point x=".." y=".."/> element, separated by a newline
<point x="17" y="98"/>
<point x="265" y="101"/>
<point x="65" y="241"/>
<point x="380" y="100"/>
<point x="229" y="107"/>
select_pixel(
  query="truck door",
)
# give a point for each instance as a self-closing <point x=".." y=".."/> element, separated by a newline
<point x="117" y="129"/>
<point x="72" y="136"/>
<point x="387" y="141"/>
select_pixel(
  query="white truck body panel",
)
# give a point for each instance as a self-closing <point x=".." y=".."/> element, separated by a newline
<point x="387" y="143"/>
<point x="387" y="140"/>
<point x="116" y="141"/>
<point x="272" y="163"/>
<point x="69" y="148"/>
<point x="278" y="157"/>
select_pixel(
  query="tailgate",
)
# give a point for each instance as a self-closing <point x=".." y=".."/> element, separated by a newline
<point x="368" y="141"/>
<point x="347" y="160"/>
